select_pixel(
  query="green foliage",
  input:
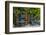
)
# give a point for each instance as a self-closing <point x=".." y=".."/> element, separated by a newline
<point x="36" y="13"/>
<point x="29" y="11"/>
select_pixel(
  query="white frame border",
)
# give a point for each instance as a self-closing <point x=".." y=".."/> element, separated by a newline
<point x="11" y="29"/>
